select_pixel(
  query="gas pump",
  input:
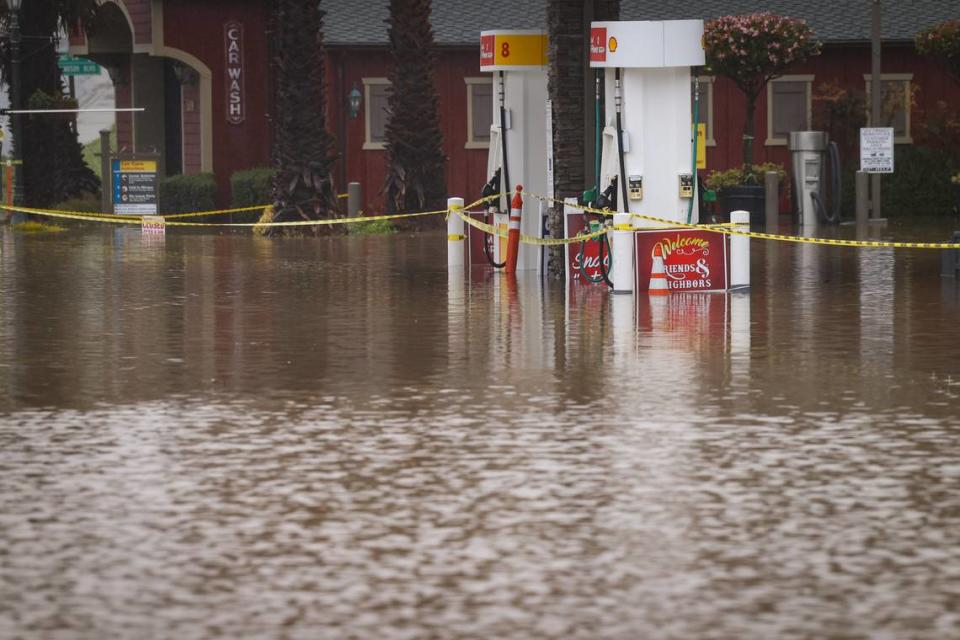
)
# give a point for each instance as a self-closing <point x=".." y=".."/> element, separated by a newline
<point x="648" y="138"/>
<point x="518" y="138"/>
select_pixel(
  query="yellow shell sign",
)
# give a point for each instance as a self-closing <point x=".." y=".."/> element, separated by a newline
<point x="512" y="50"/>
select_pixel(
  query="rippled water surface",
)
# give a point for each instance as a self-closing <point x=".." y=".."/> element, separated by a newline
<point x="224" y="437"/>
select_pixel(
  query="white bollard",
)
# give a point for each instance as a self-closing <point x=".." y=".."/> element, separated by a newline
<point x="456" y="234"/>
<point x="621" y="272"/>
<point x="740" y="251"/>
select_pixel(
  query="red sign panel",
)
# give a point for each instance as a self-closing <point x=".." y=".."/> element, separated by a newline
<point x="589" y="257"/>
<point x="598" y="44"/>
<point x="487" y="45"/>
<point x="233" y="42"/>
<point x="692" y="260"/>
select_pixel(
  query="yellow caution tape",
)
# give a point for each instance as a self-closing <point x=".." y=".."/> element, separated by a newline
<point x="733" y="230"/>
<point x="524" y="238"/>
<point x="455" y="237"/>
<point x="137" y="220"/>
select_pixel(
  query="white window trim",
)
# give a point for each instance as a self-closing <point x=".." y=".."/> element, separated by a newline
<point x="369" y="145"/>
<point x="894" y="77"/>
<point x="782" y="142"/>
<point x="708" y="89"/>
<point x="471" y="143"/>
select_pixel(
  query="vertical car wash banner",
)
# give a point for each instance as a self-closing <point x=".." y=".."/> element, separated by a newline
<point x="691" y="259"/>
<point x="233" y="43"/>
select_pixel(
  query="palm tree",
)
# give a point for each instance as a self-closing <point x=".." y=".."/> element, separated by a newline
<point x="568" y="25"/>
<point x="53" y="166"/>
<point x="416" y="171"/>
<point x="302" y="147"/>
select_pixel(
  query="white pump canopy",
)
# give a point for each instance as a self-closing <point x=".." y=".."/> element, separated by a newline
<point x="647" y="45"/>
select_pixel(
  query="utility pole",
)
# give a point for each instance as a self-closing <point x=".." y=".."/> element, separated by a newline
<point x="17" y="101"/>
<point x="876" y="101"/>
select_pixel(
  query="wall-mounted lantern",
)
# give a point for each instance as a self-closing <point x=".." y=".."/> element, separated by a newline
<point x="353" y="102"/>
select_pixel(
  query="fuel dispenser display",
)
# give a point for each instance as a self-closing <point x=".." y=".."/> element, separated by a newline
<point x="518" y="139"/>
<point x="648" y="136"/>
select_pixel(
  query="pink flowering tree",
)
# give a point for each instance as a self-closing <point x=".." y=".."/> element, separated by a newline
<point x="753" y="49"/>
<point x="942" y="43"/>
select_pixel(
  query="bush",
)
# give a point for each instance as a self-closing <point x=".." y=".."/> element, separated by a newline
<point x="88" y="204"/>
<point x="920" y="183"/>
<point x="188" y="194"/>
<point x="717" y="180"/>
<point x="371" y="227"/>
<point x="252" y="187"/>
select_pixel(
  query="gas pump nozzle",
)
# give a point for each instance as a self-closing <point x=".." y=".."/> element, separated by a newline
<point x="608" y="199"/>
<point x="492" y="187"/>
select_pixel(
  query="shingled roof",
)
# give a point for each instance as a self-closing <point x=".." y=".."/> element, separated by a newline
<point x="459" y="22"/>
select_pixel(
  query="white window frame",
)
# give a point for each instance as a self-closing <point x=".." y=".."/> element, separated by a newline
<point x="907" y="80"/>
<point x="808" y="79"/>
<point x="469" y="82"/>
<point x="706" y="88"/>
<point x="368" y="144"/>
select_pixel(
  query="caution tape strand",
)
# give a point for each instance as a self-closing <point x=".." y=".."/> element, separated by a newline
<point x="732" y="230"/>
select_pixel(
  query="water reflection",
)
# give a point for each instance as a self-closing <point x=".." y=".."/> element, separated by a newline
<point x="218" y="436"/>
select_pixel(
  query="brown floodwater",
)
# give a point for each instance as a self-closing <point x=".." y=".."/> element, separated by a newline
<point x="219" y="436"/>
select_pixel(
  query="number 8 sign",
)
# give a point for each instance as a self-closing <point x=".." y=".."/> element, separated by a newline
<point x="512" y="50"/>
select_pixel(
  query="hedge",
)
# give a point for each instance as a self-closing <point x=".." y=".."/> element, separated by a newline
<point x="252" y="187"/>
<point x="188" y="194"/>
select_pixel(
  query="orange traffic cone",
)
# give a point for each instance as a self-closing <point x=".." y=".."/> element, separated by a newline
<point x="513" y="241"/>
<point x="658" y="274"/>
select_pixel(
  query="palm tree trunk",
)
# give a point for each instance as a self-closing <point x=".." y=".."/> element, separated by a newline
<point x="303" y="150"/>
<point x="569" y="29"/>
<point x="416" y="165"/>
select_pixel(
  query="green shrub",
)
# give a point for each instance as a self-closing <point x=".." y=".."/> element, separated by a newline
<point x="188" y="194"/>
<point x="717" y="180"/>
<point x="252" y="187"/>
<point x="371" y="227"/>
<point x="920" y="183"/>
<point x="89" y="204"/>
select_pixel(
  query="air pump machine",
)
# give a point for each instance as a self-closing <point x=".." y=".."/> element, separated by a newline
<point x="518" y="135"/>
<point x="647" y="153"/>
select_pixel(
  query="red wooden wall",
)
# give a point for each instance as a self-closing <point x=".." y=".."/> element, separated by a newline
<point x="346" y="68"/>
<point x="197" y="28"/>
<point x="842" y="65"/>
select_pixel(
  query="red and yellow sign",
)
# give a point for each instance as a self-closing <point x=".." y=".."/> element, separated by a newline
<point x="512" y="50"/>
<point x="693" y="260"/>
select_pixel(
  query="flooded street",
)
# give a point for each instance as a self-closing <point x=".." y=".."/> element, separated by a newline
<point x="211" y="436"/>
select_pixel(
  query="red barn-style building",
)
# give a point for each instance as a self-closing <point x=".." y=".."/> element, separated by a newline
<point x="204" y="65"/>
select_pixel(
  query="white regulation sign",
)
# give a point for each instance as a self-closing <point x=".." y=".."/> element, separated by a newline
<point x="876" y="150"/>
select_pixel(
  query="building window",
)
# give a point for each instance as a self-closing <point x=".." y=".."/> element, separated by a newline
<point x="375" y="112"/>
<point x="897" y="97"/>
<point x="479" y="112"/>
<point x="706" y="107"/>
<point x="789" y="107"/>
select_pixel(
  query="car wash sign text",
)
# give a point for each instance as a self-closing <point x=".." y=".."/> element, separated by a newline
<point x="233" y="41"/>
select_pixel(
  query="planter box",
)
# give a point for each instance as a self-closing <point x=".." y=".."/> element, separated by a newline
<point x="745" y="197"/>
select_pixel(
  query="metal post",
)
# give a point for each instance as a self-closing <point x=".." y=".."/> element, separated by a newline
<point x="622" y="246"/>
<point x="354" y="199"/>
<point x="771" y="186"/>
<point x="740" y="251"/>
<point x="876" y="99"/>
<point x="106" y="175"/>
<point x="455" y="234"/>
<point x="17" y="102"/>
<point x="863" y="197"/>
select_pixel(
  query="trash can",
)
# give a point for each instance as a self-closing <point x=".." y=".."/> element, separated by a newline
<point x="807" y="151"/>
